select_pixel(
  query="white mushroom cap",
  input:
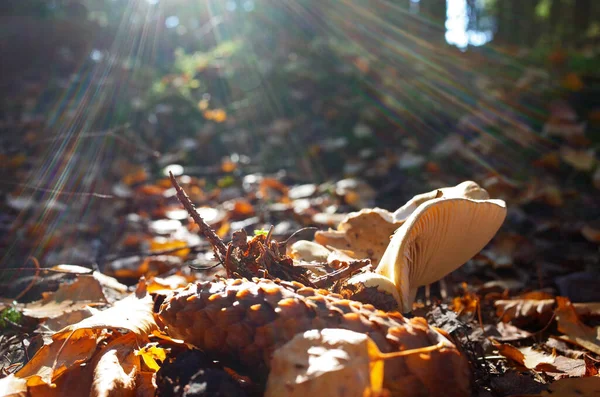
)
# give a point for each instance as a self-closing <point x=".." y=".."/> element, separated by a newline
<point x="467" y="189"/>
<point x="439" y="236"/>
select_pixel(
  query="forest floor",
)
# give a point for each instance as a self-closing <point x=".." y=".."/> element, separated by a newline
<point x="85" y="275"/>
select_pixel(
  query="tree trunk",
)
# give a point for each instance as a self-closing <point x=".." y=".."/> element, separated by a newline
<point x="556" y="28"/>
<point x="582" y="11"/>
<point x="503" y="22"/>
<point x="435" y="13"/>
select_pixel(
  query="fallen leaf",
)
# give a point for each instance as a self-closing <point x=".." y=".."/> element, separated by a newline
<point x="133" y="313"/>
<point x="11" y="386"/>
<point x="581" y="160"/>
<point x="525" y="356"/>
<point x="116" y="368"/>
<point x="508" y="332"/>
<point x="591" y="232"/>
<point x="525" y="311"/>
<point x="70" y="317"/>
<point x="587" y="309"/>
<point x="329" y="362"/>
<point x="150" y="353"/>
<point x="334" y="362"/>
<point x="570" y="387"/>
<point x="169" y="283"/>
<point x="366" y="233"/>
<point x="85" y="288"/>
<point x="51" y="361"/>
<point x="574" y="330"/>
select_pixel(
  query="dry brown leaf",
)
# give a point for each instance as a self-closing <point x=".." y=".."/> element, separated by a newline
<point x="329" y="362"/>
<point x="70" y="317"/>
<point x="509" y="332"/>
<point x="591" y="232"/>
<point x="587" y="309"/>
<point x="334" y="362"/>
<point x="116" y="368"/>
<point x="169" y="283"/>
<point x="525" y="310"/>
<point x="84" y="291"/>
<point x="133" y="313"/>
<point x="570" y="387"/>
<point x="11" y="386"/>
<point x="525" y="356"/>
<point x="51" y="361"/>
<point x="365" y="233"/>
<point x="76" y="343"/>
<point x="574" y="330"/>
<point x="76" y="381"/>
<point x="581" y="160"/>
<point x="146" y="384"/>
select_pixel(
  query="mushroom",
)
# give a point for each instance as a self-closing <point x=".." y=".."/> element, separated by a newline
<point x="467" y="189"/>
<point x="443" y="230"/>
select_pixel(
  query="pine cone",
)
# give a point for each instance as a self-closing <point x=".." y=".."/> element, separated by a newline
<point x="248" y="320"/>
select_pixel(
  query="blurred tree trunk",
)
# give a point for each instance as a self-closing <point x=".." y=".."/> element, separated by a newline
<point x="435" y="11"/>
<point x="582" y="12"/>
<point x="555" y="28"/>
<point x="503" y="21"/>
<point x="529" y="28"/>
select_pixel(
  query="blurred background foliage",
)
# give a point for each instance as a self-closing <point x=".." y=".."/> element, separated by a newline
<point x="298" y="84"/>
<point x="101" y="96"/>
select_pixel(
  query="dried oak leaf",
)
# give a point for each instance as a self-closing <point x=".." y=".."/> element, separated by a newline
<point x="365" y="233"/>
<point x="574" y="330"/>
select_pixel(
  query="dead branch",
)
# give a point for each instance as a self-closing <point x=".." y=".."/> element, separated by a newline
<point x="328" y="279"/>
<point x="215" y="241"/>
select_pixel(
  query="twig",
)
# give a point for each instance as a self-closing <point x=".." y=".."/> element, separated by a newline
<point x="218" y="246"/>
<point x="33" y="280"/>
<point x="284" y="242"/>
<point x="57" y="191"/>
<point x="328" y="279"/>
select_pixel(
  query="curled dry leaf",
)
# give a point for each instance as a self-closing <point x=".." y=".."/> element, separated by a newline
<point x="574" y="330"/>
<point x="116" y="368"/>
<point x="365" y="233"/>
